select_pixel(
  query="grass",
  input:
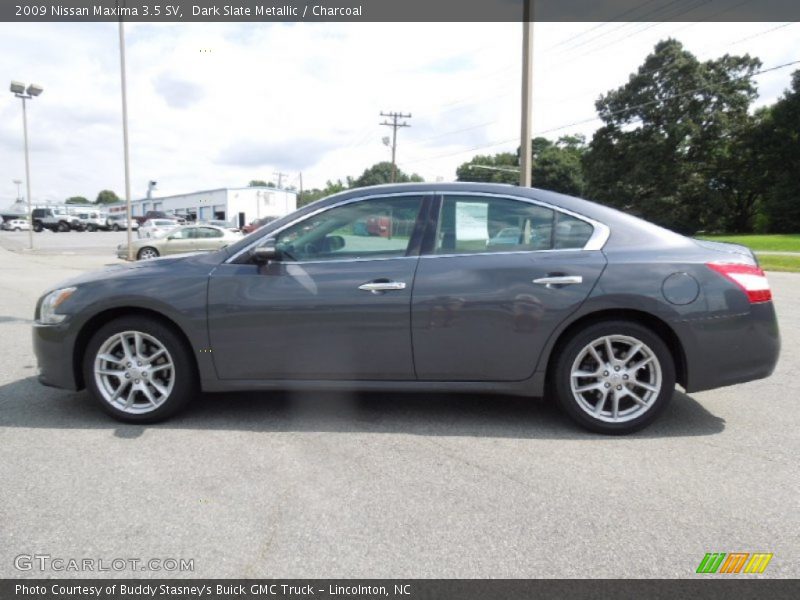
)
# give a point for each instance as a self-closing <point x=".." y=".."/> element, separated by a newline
<point x="788" y="242"/>
<point x="774" y="262"/>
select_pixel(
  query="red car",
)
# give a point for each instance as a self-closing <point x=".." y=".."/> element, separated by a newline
<point x="257" y="224"/>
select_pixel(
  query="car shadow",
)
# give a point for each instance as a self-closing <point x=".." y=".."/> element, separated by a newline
<point x="25" y="403"/>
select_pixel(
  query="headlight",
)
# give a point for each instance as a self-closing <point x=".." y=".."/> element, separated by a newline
<point x="47" y="313"/>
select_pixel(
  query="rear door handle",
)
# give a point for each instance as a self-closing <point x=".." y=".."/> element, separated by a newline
<point x="377" y="287"/>
<point x="557" y="280"/>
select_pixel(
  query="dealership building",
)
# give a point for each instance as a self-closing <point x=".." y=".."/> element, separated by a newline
<point x="238" y="206"/>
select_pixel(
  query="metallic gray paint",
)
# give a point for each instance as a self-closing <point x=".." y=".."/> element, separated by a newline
<point x="464" y="322"/>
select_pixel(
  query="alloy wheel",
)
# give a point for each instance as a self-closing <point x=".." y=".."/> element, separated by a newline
<point x="616" y="378"/>
<point x="134" y="372"/>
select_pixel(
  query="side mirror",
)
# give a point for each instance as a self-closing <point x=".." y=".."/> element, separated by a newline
<point x="333" y="243"/>
<point x="265" y="253"/>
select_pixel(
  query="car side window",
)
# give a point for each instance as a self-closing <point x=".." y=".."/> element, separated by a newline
<point x="374" y="228"/>
<point x="481" y="224"/>
<point x="182" y="234"/>
<point x="208" y="232"/>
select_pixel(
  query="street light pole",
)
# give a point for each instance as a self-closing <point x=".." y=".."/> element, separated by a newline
<point x="27" y="173"/>
<point x="526" y="149"/>
<point x="20" y="91"/>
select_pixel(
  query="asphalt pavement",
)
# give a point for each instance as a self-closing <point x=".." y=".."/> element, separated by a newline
<point x="386" y="485"/>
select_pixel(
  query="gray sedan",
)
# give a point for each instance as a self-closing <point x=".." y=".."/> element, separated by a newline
<point x="603" y="311"/>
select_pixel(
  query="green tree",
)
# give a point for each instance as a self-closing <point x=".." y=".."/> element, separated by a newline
<point x="500" y="168"/>
<point x="779" y="135"/>
<point x="668" y="146"/>
<point x="380" y="173"/>
<point x="315" y="194"/>
<point x="106" y="197"/>
<point x="76" y="200"/>
<point x="557" y="166"/>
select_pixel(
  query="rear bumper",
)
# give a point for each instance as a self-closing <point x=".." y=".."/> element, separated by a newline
<point x="53" y="346"/>
<point x="733" y="349"/>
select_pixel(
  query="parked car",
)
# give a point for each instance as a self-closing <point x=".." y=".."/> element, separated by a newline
<point x="257" y="224"/>
<point x="607" y="318"/>
<point x="219" y="223"/>
<point x="119" y="222"/>
<point x="93" y="220"/>
<point x="16" y="225"/>
<point x="188" y="238"/>
<point x="153" y="228"/>
<point x="159" y="214"/>
<point x="55" y="219"/>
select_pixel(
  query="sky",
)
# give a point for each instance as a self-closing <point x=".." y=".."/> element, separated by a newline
<point x="215" y="105"/>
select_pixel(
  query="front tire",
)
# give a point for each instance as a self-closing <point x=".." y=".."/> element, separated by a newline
<point x="614" y="377"/>
<point x="147" y="253"/>
<point x="139" y="370"/>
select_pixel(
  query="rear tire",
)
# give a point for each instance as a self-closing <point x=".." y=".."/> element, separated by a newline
<point x="63" y="226"/>
<point x="115" y="227"/>
<point x="616" y="392"/>
<point x="145" y="390"/>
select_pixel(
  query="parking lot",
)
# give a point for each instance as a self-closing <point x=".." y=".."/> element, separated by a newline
<point x="395" y="485"/>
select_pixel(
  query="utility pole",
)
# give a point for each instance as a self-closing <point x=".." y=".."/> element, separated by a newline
<point x="125" y="146"/>
<point x="394" y="116"/>
<point x="300" y="195"/>
<point x="525" y="147"/>
<point x="280" y="177"/>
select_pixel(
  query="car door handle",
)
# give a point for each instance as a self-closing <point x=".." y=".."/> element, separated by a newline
<point x="553" y="280"/>
<point x="382" y="286"/>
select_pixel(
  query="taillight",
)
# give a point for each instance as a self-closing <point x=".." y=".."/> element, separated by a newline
<point x="751" y="279"/>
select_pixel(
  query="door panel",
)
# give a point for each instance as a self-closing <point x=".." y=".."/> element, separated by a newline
<point x="481" y="318"/>
<point x="337" y="305"/>
<point x="311" y="320"/>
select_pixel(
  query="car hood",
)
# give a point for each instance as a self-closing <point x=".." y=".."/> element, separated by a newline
<point x="194" y="262"/>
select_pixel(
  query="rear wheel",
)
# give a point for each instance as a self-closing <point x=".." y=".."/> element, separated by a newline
<point x="17" y="229"/>
<point x="614" y="377"/>
<point x="37" y="227"/>
<point x="63" y="226"/>
<point x="91" y="227"/>
<point x="115" y="227"/>
<point x="147" y="253"/>
<point x="139" y="370"/>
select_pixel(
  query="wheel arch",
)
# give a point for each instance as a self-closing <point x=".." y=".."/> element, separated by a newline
<point x="652" y="322"/>
<point x="106" y="316"/>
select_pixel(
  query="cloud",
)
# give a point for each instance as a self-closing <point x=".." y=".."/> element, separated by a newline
<point x="178" y="93"/>
<point x="293" y="155"/>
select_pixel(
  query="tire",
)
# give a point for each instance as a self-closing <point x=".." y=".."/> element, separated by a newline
<point x="62" y="226"/>
<point x="37" y="227"/>
<point x="91" y="228"/>
<point x="161" y="391"/>
<point x="147" y="253"/>
<point x="17" y="229"/>
<point x="615" y="381"/>
<point x="115" y="227"/>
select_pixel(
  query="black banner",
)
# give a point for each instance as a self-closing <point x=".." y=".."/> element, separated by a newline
<point x="398" y="589"/>
<point x="398" y="10"/>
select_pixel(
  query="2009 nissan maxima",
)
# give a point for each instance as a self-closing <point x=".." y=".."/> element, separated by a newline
<point x="434" y="287"/>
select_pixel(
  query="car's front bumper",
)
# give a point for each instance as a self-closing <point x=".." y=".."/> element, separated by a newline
<point x="53" y="346"/>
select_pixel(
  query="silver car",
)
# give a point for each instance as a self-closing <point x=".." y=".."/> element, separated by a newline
<point x="180" y="240"/>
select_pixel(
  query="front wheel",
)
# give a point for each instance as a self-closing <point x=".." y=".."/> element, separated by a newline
<point x="139" y="370"/>
<point x="115" y="227"/>
<point x="147" y="253"/>
<point x="614" y="377"/>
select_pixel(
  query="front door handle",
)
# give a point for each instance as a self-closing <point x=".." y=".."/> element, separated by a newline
<point x="558" y="280"/>
<point x="376" y="287"/>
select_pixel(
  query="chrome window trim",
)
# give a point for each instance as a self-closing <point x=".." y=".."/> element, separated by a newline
<point x="600" y="233"/>
<point x="596" y="241"/>
<point x="260" y="240"/>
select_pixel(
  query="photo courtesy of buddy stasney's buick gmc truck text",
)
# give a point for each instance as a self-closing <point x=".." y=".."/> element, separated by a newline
<point x="422" y="287"/>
